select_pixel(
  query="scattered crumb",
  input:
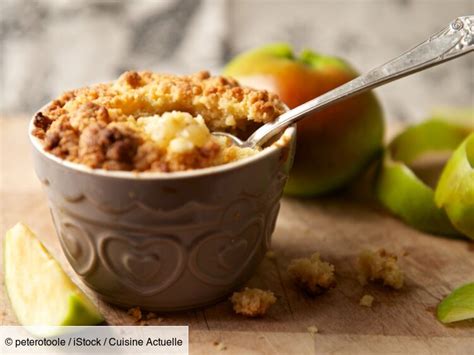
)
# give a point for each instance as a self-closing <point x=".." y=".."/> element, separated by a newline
<point x="142" y="318"/>
<point x="151" y="315"/>
<point x="366" y="301"/>
<point x="219" y="345"/>
<point x="252" y="302"/>
<point x="270" y="255"/>
<point x="312" y="274"/>
<point x="136" y="313"/>
<point x="313" y="329"/>
<point x="380" y="266"/>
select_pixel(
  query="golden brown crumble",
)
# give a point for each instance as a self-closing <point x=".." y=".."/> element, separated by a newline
<point x="252" y="302"/>
<point x="142" y="318"/>
<point x="312" y="275"/>
<point x="380" y="266"/>
<point x="117" y="125"/>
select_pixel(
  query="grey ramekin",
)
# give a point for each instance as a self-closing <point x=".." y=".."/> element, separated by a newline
<point x="166" y="241"/>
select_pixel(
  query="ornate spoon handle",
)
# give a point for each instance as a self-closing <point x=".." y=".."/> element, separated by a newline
<point x="455" y="40"/>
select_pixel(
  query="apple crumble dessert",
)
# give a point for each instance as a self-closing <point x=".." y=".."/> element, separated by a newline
<point x="380" y="266"/>
<point x="252" y="302"/>
<point x="146" y="121"/>
<point x="312" y="275"/>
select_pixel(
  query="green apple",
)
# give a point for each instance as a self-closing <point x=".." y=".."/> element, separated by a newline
<point x="455" y="189"/>
<point x="459" y="305"/>
<point x="40" y="292"/>
<point x="335" y="144"/>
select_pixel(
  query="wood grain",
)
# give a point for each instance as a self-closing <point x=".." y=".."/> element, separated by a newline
<point x="338" y="227"/>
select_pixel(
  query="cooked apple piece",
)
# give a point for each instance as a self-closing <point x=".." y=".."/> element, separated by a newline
<point x="40" y="292"/>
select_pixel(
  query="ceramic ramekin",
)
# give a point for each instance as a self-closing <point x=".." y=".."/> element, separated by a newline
<point x="166" y="241"/>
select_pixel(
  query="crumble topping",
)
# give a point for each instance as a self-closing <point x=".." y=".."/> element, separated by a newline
<point x="252" y="302"/>
<point x="146" y="121"/>
<point x="312" y="275"/>
<point x="380" y="266"/>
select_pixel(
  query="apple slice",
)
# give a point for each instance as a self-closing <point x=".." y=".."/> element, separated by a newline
<point x="403" y="193"/>
<point x="459" y="305"/>
<point x="455" y="189"/>
<point x="40" y="292"/>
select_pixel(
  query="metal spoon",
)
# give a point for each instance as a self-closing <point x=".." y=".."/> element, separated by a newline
<point x="455" y="40"/>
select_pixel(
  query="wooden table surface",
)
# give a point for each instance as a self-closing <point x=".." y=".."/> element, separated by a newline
<point x="339" y="228"/>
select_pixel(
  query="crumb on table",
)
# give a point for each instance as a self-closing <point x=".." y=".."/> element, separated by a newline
<point x="380" y="266"/>
<point x="312" y="329"/>
<point x="366" y="300"/>
<point x="220" y="345"/>
<point x="142" y="318"/>
<point x="151" y="315"/>
<point x="136" y="313"/>
<point x="252" y="302"/>
<point x="312" y="274"/>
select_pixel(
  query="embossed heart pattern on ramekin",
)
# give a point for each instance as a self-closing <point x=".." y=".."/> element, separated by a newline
<point x="166" y="241"/>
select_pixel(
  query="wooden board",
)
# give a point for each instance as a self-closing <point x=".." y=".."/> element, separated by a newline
<point x="338" y="227"/>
